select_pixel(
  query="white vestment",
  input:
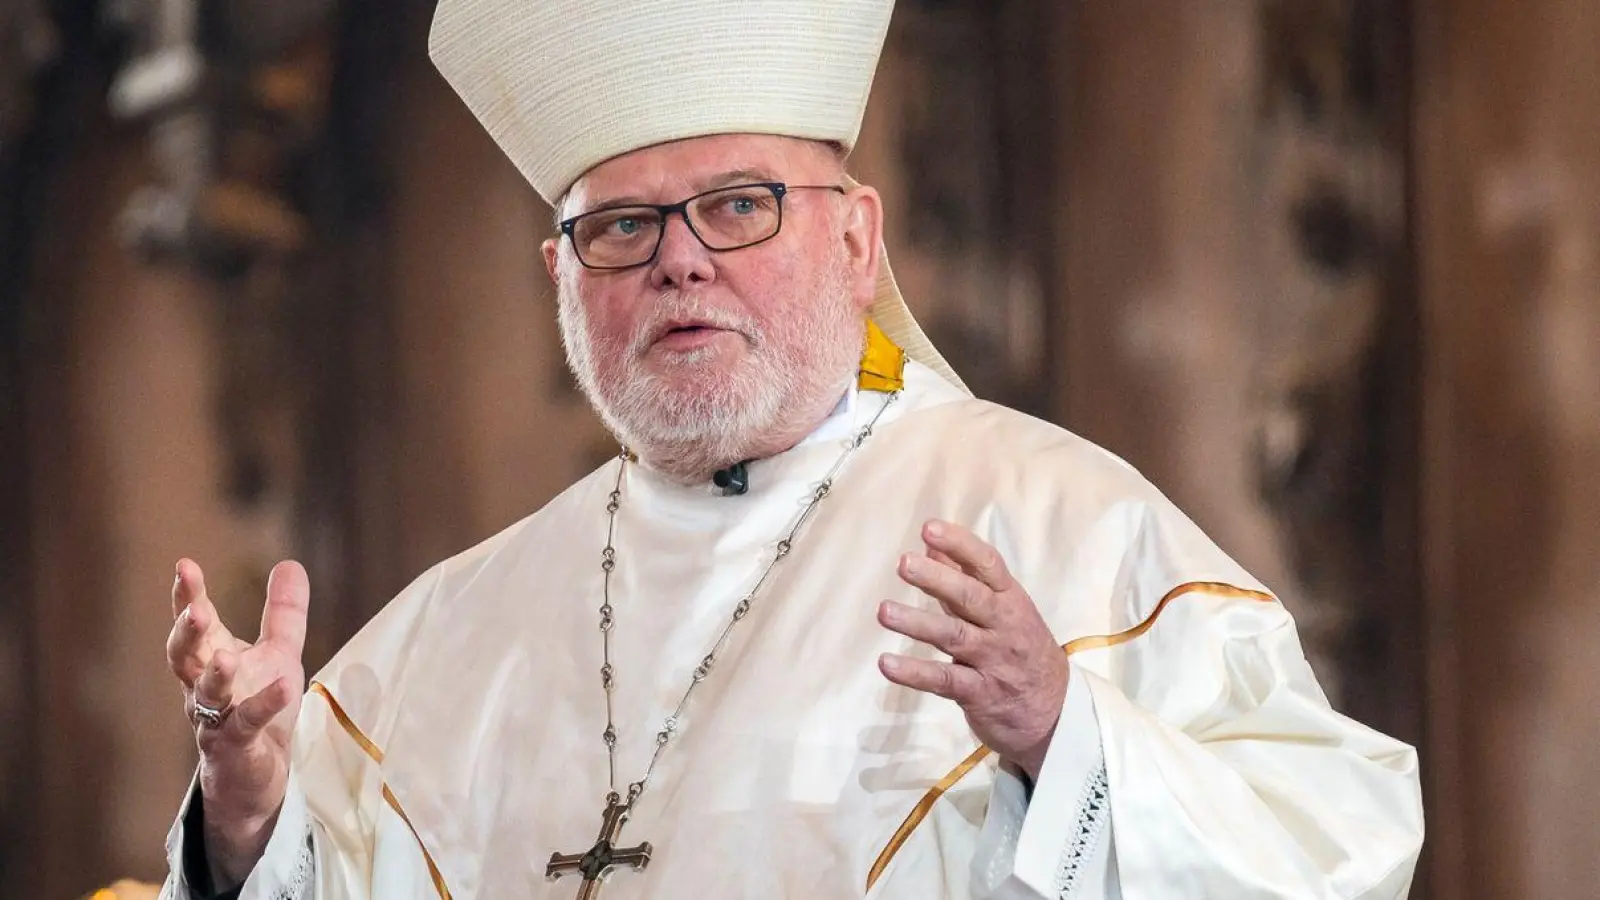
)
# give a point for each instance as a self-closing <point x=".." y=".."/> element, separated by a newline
<point x="455" y="743"/>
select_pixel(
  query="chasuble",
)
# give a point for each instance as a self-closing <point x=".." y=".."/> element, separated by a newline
<point x="455" y="744"/>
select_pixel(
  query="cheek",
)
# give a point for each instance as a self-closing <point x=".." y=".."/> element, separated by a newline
<point x="769" y="293"/>
<point x="611" y="313"/>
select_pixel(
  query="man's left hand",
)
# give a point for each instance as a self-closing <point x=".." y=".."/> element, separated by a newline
<point x="1006" y="670"/>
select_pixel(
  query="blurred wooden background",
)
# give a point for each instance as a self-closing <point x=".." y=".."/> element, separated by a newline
<point x="1328" y="271"/>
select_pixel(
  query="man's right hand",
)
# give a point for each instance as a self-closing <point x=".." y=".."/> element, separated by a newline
<point x="244" y="761"/>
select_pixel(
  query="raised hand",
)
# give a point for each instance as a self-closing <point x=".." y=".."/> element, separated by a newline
<point x="243" y="700"/>
<point x="1006" y="670"/>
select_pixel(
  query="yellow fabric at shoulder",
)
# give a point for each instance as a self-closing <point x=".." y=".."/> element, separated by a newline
<point x="883" y="364"/>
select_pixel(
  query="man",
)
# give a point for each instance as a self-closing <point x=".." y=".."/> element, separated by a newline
<point x="804" y="637"/>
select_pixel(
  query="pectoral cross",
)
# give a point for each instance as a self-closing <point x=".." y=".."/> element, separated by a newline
<point x="603" y="856"/>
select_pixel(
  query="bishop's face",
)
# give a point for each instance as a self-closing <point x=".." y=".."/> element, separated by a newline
<point x="699" y="358"/>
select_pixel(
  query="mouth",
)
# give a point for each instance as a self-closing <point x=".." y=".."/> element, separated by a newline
<point x="693" y="328"/>
<point x="686" y="335"/>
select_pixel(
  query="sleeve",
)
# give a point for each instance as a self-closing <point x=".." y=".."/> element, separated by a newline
<point x="1051" y="839"/>
<point x="286" y="871"/>
<point x="1202" y="760"/>
<point x="323" y="844"/>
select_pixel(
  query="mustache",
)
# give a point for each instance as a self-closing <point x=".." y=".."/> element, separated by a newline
<point x="673" y="306"/>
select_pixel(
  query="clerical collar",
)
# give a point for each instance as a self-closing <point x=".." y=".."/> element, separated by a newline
<point x="840" y="422"/>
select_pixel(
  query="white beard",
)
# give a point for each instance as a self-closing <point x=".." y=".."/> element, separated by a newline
<point x="689" y="426"/>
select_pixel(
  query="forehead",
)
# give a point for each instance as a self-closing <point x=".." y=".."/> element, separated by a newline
<point x="668" y="172"/>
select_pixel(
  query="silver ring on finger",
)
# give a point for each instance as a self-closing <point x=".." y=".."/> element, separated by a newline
<point x="207" y="715"/>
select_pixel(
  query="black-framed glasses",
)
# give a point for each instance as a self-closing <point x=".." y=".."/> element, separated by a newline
<point x="727" y="218"/>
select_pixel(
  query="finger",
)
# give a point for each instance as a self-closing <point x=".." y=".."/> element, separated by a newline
<point x="949" y="680"/>
<point x="214" y="688"/>
<point x="975" y="557"/>
<point x="959" y="593"/>
<point x="939" y="556"/>
<point x="283" y="620"/>
<point x="942" y="559"/>
<point x="189" y="589"/>
<point x="962" y="640"/>
<point x="198" y="630"/>
<point x="261" y="708"/>
<point x="188" y="648"/>
<point x="178" y="604"/>
<point x="188" y="586"/>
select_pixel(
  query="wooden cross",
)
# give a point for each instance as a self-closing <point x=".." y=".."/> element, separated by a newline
<point x="595" y="865"/>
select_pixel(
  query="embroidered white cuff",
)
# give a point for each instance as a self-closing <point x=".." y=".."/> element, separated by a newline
<point x="1056" y="843"/>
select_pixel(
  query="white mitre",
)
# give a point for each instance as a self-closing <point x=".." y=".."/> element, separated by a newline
<point x="564" y="85"/>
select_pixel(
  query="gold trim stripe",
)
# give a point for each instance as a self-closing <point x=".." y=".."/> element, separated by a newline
<point x="345" y="722"/>
<point x="920" y="812"/>
<point x="376" y="753"/>
<point x="1209" y="588"/>
<point x="1093" y="642"/>
<point x="433" y="869"/>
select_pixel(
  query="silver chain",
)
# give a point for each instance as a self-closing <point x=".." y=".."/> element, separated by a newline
<point x="608" y="564"/>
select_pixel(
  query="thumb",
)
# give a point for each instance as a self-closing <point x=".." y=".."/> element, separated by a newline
<point x="283" y="621"/>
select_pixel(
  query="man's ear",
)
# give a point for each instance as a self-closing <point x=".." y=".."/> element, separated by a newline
<point x="552" y="251"/>
<point x="863" y="238"/>
<point x="552" y="246"/>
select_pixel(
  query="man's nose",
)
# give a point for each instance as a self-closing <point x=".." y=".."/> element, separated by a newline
<point x="681" y="260"/>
